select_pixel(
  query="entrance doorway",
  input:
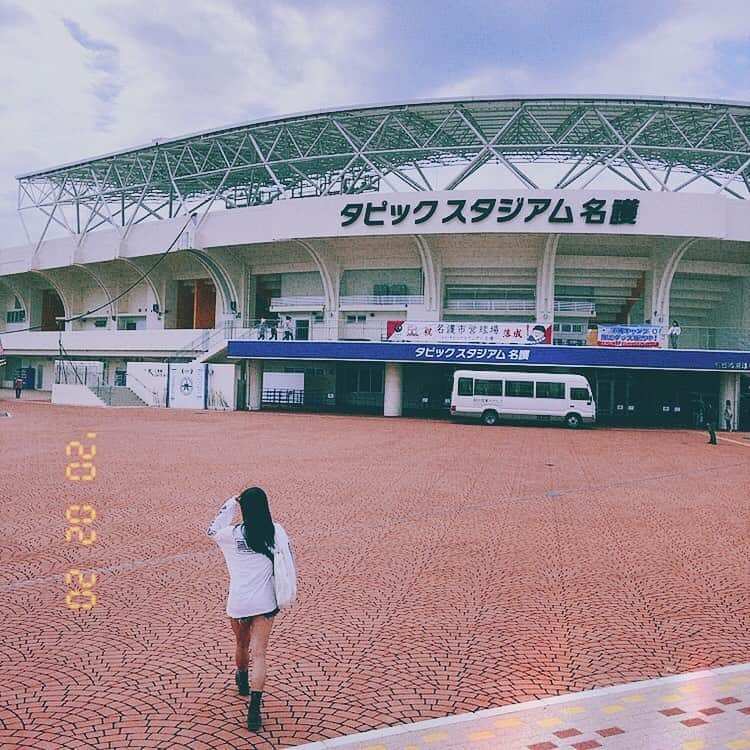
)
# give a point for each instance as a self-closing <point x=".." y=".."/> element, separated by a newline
<point x="52" y="308"/>
<point x="196" y="304"/>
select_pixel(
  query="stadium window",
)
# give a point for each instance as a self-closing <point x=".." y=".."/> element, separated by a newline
<point x="351" y="318"/>
<point x="488" y="387"/>
<point x="15" y="316"/>
<point x="361" y="318"/>
<point x="465" y="387"/>
<point x="550" y="390"/>
<point x="519" y="388"/>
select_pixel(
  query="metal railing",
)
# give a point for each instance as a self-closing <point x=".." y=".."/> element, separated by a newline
<point x="525" y="306"/>
<point x="297" y="303"/>
<point x="703" y="337"/>
<point x="374" y="300"/>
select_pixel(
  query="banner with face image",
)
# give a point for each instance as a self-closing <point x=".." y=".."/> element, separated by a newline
<point x="442" y="332"/>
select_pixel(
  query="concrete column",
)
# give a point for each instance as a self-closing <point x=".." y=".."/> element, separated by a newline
<point x="254" y="384"/>
<point x="392" y="390"/>
<point x="545" y="280"/>
<point x="729" y="390"/>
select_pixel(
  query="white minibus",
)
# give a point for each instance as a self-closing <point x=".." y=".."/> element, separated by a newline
<point x="542" y="397"/>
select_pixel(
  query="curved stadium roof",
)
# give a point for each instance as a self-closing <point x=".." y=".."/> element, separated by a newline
<point x="552" y="142"/>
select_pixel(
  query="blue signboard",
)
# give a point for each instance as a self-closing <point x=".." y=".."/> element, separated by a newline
<point x="488" y="354"/>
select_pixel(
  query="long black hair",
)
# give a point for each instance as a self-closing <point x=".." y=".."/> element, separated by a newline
<point x="257" y="524"/>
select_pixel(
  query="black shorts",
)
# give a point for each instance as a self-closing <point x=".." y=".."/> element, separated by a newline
<point x="268" y="615"/>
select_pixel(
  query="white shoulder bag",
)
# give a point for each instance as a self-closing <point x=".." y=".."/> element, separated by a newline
<point x="284" y="571"/>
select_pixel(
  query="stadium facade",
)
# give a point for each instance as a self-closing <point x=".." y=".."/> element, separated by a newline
<point x="398" y="243"/>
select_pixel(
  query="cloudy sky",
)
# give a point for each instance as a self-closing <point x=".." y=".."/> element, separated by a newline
<point x="85" y="77"/>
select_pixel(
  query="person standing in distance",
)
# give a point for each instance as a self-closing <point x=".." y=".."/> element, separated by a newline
<point x="728" y="415"/>
<point x="674" y="334"/>
<point x="251" y="604"/>
<point x="18" y="385"/>
<point x="710" y="419"/>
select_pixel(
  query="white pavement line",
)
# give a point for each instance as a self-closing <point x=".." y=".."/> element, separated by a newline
<point x="393" y="520"/>
<point x="421" y="726"/>
<point x="111" y="568"/>
<point x="736" y="442"/>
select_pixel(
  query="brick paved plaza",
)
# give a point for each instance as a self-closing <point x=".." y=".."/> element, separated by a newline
<point x="444" y="568"/>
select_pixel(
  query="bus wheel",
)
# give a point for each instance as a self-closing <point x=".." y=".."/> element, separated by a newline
<point x="573" y="421"/>
<point x="489" y="417"/>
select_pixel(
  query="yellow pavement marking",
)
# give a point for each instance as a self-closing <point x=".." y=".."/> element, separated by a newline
<point x="552" y="721"/>
<point x="638" y="698"/>
<point x="574" y="710"/>
<point x="738" y="744"/>
<point x="613" y="709"/>
<point x="485" y="734"/>
<point x="411" y="747"/>
<point x="434" y="736"/>
<point x="374" y="747"/>
<point x="672" y="697"/>
<point x="694" y="745"/>
<point x="742" y="678"/>
<point x="689" y="688"/>
<point x="507" y="723"/>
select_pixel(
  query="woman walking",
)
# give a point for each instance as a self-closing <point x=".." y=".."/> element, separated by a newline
<point x="248" y="550"/>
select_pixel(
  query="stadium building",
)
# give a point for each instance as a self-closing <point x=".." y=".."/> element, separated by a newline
<point x="353" y="259"/>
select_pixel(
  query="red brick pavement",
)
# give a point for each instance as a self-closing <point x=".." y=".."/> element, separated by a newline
<point x="439" y="571"/>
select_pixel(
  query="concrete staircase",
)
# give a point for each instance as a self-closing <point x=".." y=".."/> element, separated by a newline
<point x="117" y="395"/>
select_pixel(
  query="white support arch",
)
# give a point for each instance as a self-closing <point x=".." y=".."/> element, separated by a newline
<point x="17" y="292"/>
<point x="60" y="293"/>
<point x="107" y="293"/>
<point x="661" y="300"/>
<point x="146" y="279"/>
<point x="545" y="280"/>
<point x="430" y="267"/>
<point x="219" y="276"/>
<point x="328" y="275"/>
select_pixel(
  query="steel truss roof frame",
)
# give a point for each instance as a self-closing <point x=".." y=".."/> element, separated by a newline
<point x="647" y="144"/>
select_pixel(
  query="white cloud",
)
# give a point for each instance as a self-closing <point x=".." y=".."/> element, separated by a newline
<point x="679" y="57"/>
<point x="88" y="77"/>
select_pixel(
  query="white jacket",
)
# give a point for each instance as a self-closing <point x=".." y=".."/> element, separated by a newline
<point x="251" y="589"/>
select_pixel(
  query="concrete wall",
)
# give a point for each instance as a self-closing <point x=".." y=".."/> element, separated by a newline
<point x="362" y="282"/>
<point x="307" y="284"/>
<point x="74" y="395"/>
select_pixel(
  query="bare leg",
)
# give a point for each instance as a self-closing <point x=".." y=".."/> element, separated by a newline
<point x="261" y="630"/>
<point x="242" y="637"/>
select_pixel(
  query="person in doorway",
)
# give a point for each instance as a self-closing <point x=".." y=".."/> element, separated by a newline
<point x="288" y="335"/>
<point x="251" y="604"/>
<point x="262" y="328"/>
<point x="274" y="331"/>
<point x="674" y="332"/>
<point x="18" y="385"/>
<point x="728" y="415"/>
<point x="710" y="421"/>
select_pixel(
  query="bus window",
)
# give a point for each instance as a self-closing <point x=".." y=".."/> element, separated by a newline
<point x="580" y="394"/>
<point x="551" y="390"/>
<point x="488" y="388"/>
<point x="522" y="388"/>
<point x="465" y="387"/>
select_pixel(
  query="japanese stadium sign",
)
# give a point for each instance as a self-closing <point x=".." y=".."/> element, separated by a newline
<point x="492" y="354"/>
<point x="467" y="332"/>
<point x="628" y="336"/>
<point x="492" y="210"/>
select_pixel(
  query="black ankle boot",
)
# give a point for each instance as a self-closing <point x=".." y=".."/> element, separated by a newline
<point x="253" y="711"/>
<point x="240" y="677"/>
